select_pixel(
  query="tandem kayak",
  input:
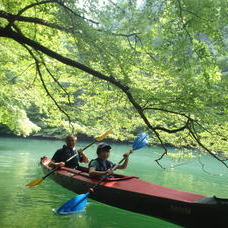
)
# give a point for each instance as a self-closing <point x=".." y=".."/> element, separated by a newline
<point x="133" y="194"/>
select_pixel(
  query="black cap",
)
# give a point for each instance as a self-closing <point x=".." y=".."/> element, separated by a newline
<point x="103" y="146"/>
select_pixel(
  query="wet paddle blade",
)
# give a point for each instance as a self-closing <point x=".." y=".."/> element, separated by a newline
<point x="74" y="205"/>
<point x="100" y="138"/>
<point x="141" y="141"/>
<point x="35" y="182"/>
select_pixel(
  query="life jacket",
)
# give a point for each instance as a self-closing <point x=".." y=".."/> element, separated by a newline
<point x="65" y="153"/>
<point x="103" y="166"/>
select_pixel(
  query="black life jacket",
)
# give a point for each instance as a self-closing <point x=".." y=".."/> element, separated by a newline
<point x="65" y="153"/>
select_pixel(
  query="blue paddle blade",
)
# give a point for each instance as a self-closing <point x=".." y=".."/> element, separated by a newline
<point x="140" y="141"/>
<point x="74" y="205"/>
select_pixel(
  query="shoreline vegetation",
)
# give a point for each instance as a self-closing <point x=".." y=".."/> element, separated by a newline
<point x="81" y="137"/>
<point x="184" y="152"/>
<point x="60" y="134"/>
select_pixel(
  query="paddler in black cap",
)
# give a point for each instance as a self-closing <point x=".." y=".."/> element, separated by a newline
<point x="101" y="165"/>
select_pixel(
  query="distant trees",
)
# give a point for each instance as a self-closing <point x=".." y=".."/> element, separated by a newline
<point x="140" y="65"/>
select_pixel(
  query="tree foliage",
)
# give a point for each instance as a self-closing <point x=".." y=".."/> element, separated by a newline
<point x="155" y="65"/>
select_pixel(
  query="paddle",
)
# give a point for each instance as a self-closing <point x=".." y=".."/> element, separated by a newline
<point x="78" y="203"/>
<point x="40" y="180"/>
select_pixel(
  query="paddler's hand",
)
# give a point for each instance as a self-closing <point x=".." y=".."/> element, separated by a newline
<point x="83" y="157"/>
<point x="126" y="155"/>
<point x="109" y="172"/>
<point x="80" y="151"/>
<point x="61" y="164"/>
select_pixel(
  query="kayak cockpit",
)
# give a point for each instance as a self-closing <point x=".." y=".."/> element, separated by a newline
<point x="84" y="171"/>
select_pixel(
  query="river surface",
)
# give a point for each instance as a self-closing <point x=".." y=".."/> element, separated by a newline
<point x="32" y="207"/>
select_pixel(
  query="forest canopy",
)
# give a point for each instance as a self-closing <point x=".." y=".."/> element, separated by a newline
<point x="159" y="66"/>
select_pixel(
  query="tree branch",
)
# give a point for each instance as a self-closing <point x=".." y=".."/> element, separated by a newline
<point x="23" y="40"/>
<point x="61" y="3"/>
<point x="35" y="4"/>
<point x="13" y="17"/>
<point x="7" y="32"/>
<point x="56" y="81"/>
<point x="165" y="110"/>
<point x="37" y="63"/>
<point x="194" y="135"/>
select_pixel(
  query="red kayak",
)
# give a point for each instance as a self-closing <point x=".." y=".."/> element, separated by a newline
<point x="133" y="194"/>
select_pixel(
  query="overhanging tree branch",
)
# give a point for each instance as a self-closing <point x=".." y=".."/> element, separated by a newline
<point x="194" y="135"/>
<point x="17" y="17"/>
<point x="55" y="79"/>
<point x="60" y="3"/>
<point x="8" y="32"/>
<point x="35" y="4"/>
<point x="38" y="70"/>
<point x="13" y="17"/>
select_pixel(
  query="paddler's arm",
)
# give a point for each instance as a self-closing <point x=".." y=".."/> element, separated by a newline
<point x="82" y="157"/>
<point x="94" y="173"/>
<point x="124" y="165"/>
<point x="56" y="160"/>
<point x="52" y="163"/>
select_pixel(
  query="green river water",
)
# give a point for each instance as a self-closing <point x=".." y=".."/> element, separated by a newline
<point x="32" y="207"/>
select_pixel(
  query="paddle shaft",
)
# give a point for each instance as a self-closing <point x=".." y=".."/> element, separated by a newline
<point x="69" y="159"/>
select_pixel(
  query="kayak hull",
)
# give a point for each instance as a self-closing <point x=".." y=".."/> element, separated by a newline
<point x="133" y="194"/>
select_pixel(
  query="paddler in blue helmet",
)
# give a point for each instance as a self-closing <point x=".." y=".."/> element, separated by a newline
<point x="101" y="165"/>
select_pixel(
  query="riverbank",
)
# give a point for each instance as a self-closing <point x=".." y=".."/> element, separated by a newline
<point x="81" y="137"/>
<point x="54" y="134"/>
